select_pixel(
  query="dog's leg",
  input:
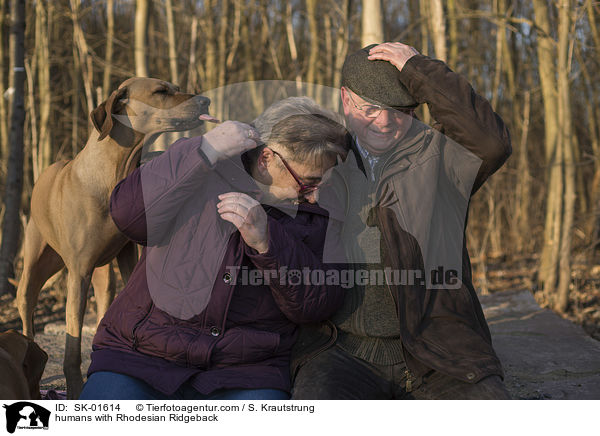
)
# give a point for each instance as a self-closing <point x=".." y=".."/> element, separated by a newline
<point x="103" y="282"/>
<point x="40" y="262"/>
<point x="127" y="259"/>
<point x="77" y="287"/>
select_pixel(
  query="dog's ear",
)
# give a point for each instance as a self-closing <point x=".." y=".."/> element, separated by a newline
<point x="102" y="115"/>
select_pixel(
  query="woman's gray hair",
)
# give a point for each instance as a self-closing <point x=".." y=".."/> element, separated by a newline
<point x="308" y="131"/>
<point x="287" y="107"/>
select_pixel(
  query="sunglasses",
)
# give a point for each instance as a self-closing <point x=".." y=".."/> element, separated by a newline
<point x="373" y="110"/>
<point x="304" y="188"/>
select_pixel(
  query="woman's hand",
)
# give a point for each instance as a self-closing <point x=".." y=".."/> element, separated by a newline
<point x="229" y="139"/>
<point x="248" y="216"/>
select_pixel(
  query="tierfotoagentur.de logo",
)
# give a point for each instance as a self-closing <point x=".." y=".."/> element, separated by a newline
<point x="26" y="416"/>
<point x="346" y="278"/>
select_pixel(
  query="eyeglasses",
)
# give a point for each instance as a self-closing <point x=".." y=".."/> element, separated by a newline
<point x="373" y="110"/>
<point x="304" y="189"/>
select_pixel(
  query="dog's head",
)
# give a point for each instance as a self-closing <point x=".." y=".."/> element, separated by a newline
<point x="149" y="106"/>
<point x="26" y="353"/>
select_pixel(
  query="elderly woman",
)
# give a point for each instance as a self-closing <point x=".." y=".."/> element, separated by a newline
<point x="211" y="309"/>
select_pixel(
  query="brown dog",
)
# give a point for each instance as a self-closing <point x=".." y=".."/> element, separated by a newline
<point x="22" y="364"/>
<point x="70" y="224"/>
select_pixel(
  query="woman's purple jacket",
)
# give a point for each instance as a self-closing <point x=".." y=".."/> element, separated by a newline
<point x="217" y="330"/>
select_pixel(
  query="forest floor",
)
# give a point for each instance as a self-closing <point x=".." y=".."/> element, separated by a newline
<point x="518" y="274"/>
<point x="515" y="312"/>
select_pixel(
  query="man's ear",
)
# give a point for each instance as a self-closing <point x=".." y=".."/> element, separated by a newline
<point x="102" y="115"/>
<point x="345" y="100"/>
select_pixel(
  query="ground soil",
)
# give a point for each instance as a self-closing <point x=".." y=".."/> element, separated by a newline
<point x="500" y="275"/>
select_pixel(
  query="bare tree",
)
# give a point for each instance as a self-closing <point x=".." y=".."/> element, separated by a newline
<point x="11" y="225"/>
<point x="554" y="66"/>
<point x="372" y="23"/>
<point x="292" y="44"/>
<point x="85" y="59"/>
<point x="313" y="31"/>
<point x="192" y="79"/>
<point x="42" y="150"/>
<point x="108" y="58"/>
<point x="438" y="28"/>
<point x="3" y="108"/>
<point x="567" y="162"/>
<point x="342" y="10"/>
<point x="452" y="34"/>
<point x="547" y="72"/>
<point x="142" y="18"/>
<point x="172" y="43"/>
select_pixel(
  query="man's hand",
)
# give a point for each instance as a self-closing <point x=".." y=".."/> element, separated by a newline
<point x="229" y="139"/>
<point x="248" y="216"/>
<point x="395" y="53"/>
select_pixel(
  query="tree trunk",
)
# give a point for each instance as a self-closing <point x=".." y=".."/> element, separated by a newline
<point x="500" y="35"/>
<point x="142" y="18"/>
<point x="270" y="24"/>
<point x="192" y="81"/>
<point x="85" y="60"/>
<point x="210" y="53"/>
<point x="75" y="79"/>
<point x="523" y="193"/>
<point x="172" y="43"/>
<point x="43" y="148"/>
<point x="256" y="96"/>
<point x="592" y="226"/>
<point x="424" y="14"/>
<point x="567" y="148"/>
<point x="221" y="60"/>
<point x="452" y="34"/>
<point x="11" y="226"/>
<point x="3" y="108"/>
<point x="341" y="48"/>
<point x="590" y="4"/>
<point x="237" y="20"/>
<point x="372" y="23"/>
<point x="108" y="58"/>
<point x="547" y="71"/>
<point x="30" y="134"/>
<point x="292" y="45"/>
<point x="313" y="31"/>
<point x="329" y="55"/>
<point x="438" y="28"/>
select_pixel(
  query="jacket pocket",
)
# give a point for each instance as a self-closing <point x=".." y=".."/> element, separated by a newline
<point x="245" y="345"/>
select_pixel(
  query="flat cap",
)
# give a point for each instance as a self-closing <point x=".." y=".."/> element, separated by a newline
<point x="376" y="81"/>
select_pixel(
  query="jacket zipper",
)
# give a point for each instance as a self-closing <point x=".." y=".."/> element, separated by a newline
<point x="408" y="380"/>
<point x="137" y="324"/>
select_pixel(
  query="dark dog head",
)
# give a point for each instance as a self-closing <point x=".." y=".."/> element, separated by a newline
<point x="26" y="353"/>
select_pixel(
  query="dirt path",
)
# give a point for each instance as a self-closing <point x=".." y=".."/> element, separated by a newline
<point x="544" y="355"/>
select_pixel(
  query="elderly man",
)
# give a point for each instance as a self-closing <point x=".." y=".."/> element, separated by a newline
<point x="412" y="326"/>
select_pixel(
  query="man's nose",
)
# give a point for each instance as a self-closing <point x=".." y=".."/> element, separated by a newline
<point x="384" y="118"/>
